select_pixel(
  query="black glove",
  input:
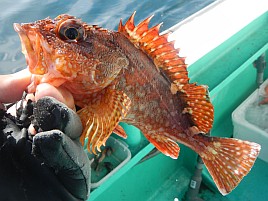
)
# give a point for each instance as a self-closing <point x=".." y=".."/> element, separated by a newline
<point x="50" y="165"/>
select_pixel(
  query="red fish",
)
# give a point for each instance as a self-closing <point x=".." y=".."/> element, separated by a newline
<point x="134" y="75"/>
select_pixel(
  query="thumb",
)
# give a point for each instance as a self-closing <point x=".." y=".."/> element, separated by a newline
<point x="59" y="93"/>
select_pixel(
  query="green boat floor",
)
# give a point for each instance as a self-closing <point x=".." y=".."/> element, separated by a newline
<point x="174" y="186"/>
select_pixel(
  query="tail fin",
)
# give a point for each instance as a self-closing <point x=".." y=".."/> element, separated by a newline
<point x="228" y="160"/>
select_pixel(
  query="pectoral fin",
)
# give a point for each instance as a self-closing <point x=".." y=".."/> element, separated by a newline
<point x="102" y="115"/>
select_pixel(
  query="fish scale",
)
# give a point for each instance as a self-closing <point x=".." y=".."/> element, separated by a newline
<point x="133" y="75"/>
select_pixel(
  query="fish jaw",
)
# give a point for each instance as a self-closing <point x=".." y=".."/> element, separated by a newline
<point x="32" y="44"/>
<point x="40" y="57"/>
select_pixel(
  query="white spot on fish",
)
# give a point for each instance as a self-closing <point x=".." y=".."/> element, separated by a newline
<point x="211" y="150"/>
<point x="217" y="144"/>
<point x="57" y="61"/>
<point x="246" y="151"/>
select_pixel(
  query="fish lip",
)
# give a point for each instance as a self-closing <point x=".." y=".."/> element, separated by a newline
<point x="27" y="49"/>
<point x="17" y="27"/>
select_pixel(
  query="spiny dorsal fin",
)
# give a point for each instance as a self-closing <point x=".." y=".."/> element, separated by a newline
<point x="166" y="57"/>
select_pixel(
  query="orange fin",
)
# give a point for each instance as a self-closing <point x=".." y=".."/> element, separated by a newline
<point x="164" y="144"/>
<point x="228" y="160"/>
<point x="165" y="56"/>
<point x="156" y="46"/>
<point x="101" y="116"/>
<point x="118" y="130"/>
<point x="199" y="106"/>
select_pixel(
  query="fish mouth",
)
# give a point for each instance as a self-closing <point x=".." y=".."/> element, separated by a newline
<point x="30" y="45"/>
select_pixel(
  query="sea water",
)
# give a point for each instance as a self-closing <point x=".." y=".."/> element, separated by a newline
<point x="104" y="13"/>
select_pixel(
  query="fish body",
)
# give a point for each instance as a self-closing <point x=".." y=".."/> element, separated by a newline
<point x="134" y="75"/>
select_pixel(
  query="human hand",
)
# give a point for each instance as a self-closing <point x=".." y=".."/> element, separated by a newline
<point x="50" y="165"/>
<point x="12" y="87"/>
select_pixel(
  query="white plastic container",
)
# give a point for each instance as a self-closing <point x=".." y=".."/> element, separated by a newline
<point x="120" y="156"/>
<point x="245" y="130"/>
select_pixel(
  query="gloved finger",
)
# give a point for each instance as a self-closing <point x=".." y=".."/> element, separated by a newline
<point x="13" y="108"/>
<point x="51" y="114"/>
<point x="67" y="157"/>
<point x="24" y="176"/>
<point x="11" y="130"/>
<point x="60" y="93"/>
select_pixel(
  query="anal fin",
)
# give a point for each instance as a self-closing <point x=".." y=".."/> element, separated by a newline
<point x="164" y="144"/>
<point x="101" y="116"/>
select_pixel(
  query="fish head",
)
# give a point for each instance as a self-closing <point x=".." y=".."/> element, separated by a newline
<point x="67" y="49"/>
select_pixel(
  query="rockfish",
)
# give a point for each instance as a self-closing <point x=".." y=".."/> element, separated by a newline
<point x="133" y="75"/>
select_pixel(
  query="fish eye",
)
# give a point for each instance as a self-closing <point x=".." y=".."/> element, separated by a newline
<point x="70" y="31"/>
